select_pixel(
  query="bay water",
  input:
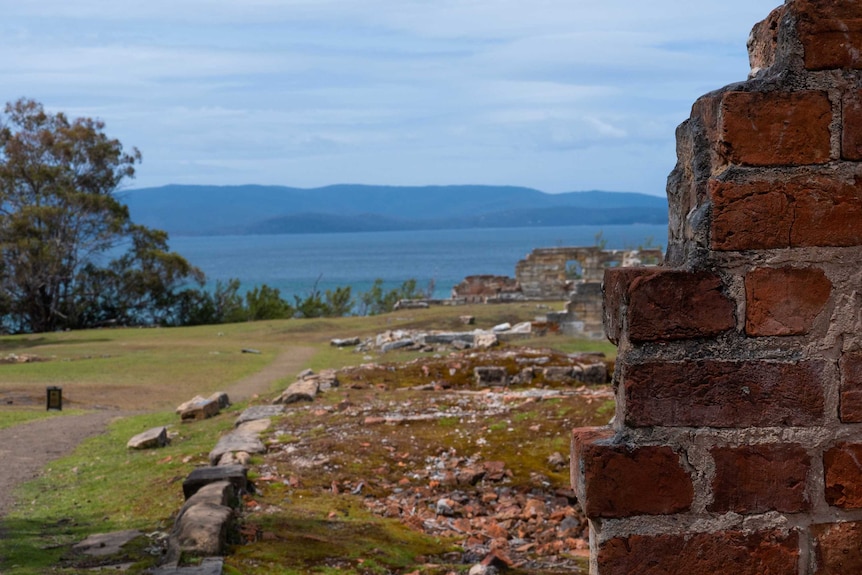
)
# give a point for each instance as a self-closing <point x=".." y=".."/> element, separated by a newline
<point x="296" y="264"/>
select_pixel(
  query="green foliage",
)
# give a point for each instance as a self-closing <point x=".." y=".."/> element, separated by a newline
<point x="375" y="301"/>
<point x="264" y="302"/>
<point x="59" y="217"/>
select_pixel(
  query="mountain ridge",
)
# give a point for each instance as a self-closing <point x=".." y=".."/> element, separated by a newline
<point x="258" y="209"/>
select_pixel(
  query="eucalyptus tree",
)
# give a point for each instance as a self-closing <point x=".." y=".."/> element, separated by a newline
<point x="61" y="220"/>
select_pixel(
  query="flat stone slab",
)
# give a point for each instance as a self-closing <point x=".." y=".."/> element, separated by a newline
<point x="155" y="437"/>
<point x="243" y="438"/>
<point x="259" y="412"/>
<point x="208" y="566"/>
<point x="201" y="410"/>
<point x="202" y="476"/>
<point x="100" y="544"/>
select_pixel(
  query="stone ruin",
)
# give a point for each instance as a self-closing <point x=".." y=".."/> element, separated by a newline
<point x="736" y="444"/>
<point x="573" y="274"/>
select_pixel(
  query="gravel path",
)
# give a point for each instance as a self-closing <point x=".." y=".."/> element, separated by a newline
<point x="27" y="448"/>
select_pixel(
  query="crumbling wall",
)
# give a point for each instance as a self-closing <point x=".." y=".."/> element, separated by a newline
<point x="736" y="445"/>
<point x="546" y="273"/>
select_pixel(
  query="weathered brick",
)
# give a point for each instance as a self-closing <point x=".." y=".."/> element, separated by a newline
<point x="677" y="304"/>
<point x="717" y="393"/>
<point x="843" y="471"/>
<point x="665" y="305"/>
<point x="615" y="289"/>
<point x="618" y="480"/>
<point x="784" y="301"/>
<point x="851" y="126"/>
<point x="838" y="548"/>
<point x="721" y="553"/>
<point x="830" y="32"/>
<point x="760" y="478"/>
<point x="763" y="40"/>
<point x="775" y="128"/>
<point x="798" y="211"/>
<point x="851" y="388"/>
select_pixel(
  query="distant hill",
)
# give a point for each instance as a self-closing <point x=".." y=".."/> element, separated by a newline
<point x="220" y="210"/>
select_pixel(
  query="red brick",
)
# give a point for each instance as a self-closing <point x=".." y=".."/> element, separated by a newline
<point x="842" y="466"/>
<point x="584" y="436"/>
<point x="678" y="305"/>
<point x="851" y="126"/>
<point x="800" y="211"/>
<point x="721" y="553"/>
<point x="763" y="40"/>
<point x="664" y="305"/>
<point x="619" y="480"/>
<point x="615" y="288"/>
<point x="775" y="128"/>
<point x="760" y="478"/>
<point x="838" y="548"/>
<point x="851" y="388"/>
<point x="784" y="301"/>
<point x="830" y="32"/>
<point x="715" y="393"/>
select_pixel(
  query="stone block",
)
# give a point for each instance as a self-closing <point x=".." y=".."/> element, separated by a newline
<point x="719" y="553"/>
<point x="838" y="548"/>
<point x="830" y="32"/>
<point x="760" y="478"/>
<point x="717" y="393"/>
<point x="236" y="475"/>
<point x="155" y="437"/>
<point x="302" y="390"/>
<point x="785" y="212"/>
<point x="618" y="480"/>
<point x="784" y="301"/>
<point x="491" y="376"/>
<point x="775" y="128"/>
<point x="200" y="410"/>
<point x="841" y="470"/>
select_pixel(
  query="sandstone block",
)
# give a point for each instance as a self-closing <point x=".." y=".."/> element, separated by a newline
<point x="202" y="476"/>
<point x="784" y="301"/>
<point x="200" y="410"/>
<point x="838" y="547"/>
<point x="302" y="390"/>
<point x="841" y="470"/>
<point x="720" y="553"/>
<point x="155" y="437"/>
<point x="830" y="32"/>
<point x="775" y="128"/>
<point x="785" y="212"/>
<point x="623" y="480"/>
<point x="760" y="478"/>
<point x="716" y="393"/>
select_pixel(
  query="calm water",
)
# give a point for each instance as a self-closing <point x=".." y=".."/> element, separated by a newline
<point x="293" y="263"/>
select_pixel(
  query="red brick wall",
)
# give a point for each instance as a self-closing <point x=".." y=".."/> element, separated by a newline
<point x="737" y="446"/>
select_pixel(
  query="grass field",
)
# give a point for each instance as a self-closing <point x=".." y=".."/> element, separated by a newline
<point x="104" y="487"/>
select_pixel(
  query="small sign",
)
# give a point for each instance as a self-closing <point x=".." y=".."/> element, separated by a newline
<point x="55" y="398"/>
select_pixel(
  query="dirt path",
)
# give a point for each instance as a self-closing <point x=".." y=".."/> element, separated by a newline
<point x="27" y="448"/>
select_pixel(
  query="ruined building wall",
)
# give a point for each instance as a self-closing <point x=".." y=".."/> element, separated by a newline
<point x="543" y="274"/>
<point x="737" y="440"/>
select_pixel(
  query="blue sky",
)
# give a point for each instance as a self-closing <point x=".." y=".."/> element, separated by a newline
<point x="558" y="95"/>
